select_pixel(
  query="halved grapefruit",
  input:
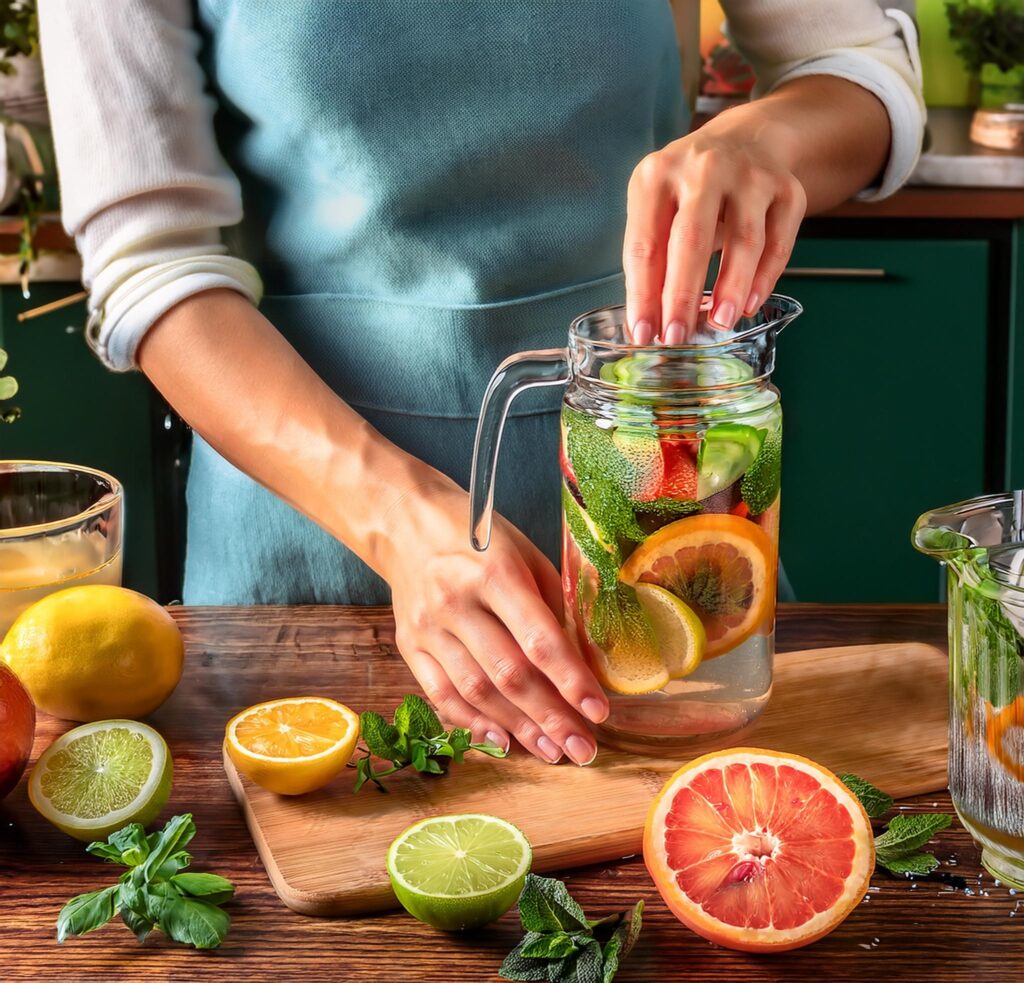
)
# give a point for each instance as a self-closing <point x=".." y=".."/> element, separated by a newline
<point x="720" y="566"/>
<point x="758" y="850"/>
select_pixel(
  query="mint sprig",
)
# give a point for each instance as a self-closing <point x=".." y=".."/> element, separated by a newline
<point x="153" y="892"/>
<point x="898" y="848"/>
<point x="416" y="739"/>
<point x="561" y="944"/>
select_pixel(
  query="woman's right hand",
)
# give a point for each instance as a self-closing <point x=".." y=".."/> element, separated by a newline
<point x="482" y="632"/>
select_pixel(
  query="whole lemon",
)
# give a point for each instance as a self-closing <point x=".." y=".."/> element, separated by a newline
<point x="95" y="652"/>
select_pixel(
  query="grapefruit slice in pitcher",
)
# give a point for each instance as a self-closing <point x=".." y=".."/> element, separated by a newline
<point x="758" y="850"/>
<point x="720" y="566"/>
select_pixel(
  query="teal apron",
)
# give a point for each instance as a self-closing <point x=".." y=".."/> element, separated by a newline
<point x="428" y="186"/>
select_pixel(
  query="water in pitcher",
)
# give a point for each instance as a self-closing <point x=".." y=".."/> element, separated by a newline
<point x="31" y="570"/>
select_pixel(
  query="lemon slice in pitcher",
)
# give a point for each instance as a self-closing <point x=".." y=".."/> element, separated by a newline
<point x="679" y="631"/>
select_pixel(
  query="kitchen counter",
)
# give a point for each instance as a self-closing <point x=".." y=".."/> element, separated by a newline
<point x="902" y="932"/>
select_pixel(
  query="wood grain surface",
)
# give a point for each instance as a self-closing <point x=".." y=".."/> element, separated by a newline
<point x="325" y="852"/>
<point x="932" y="931"/>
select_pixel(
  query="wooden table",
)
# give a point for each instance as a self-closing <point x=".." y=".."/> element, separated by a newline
<point x="902" y="932"/>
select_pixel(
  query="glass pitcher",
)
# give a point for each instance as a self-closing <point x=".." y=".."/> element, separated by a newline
<point x="981" y="541"/>
<point x="670" y="460"/>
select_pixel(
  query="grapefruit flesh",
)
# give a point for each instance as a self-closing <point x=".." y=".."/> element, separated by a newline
<point x="758" y="850"/>
<point x="720" y="566"/>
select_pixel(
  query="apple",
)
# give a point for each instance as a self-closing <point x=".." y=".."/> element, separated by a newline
<point x="17" y="728"/>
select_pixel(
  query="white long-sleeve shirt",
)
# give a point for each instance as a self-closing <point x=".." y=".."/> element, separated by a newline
<point x="145" y="192"/>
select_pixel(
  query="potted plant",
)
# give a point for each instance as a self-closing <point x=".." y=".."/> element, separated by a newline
<point x="989" y="36"/>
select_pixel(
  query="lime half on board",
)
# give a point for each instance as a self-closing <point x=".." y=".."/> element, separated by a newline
<point x="102" y="776"/>
<point x="458" y="872"/>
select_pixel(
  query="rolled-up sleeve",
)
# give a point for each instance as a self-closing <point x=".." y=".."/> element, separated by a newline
<point x="851" y="39"/>
<point x="144" y="190"/>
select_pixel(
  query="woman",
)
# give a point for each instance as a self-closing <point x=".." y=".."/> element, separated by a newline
<point x="425" y="187"/>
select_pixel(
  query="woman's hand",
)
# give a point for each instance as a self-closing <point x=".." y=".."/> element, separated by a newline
<point x="482" y="631"/>
<point x="706" y="191"/>
<point x="742" y="183"/>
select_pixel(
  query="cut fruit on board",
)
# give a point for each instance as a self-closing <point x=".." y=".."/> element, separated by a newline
<point x="758" y="850"/>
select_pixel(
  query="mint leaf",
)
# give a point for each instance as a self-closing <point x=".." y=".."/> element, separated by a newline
<point x="668" y="508"/>
<point x="194" y="922"/>
<point x="605" y="560"/>
<point x="555" y="945"/>
<point x="610" y="509"/>
<point x="876" y="803"/>
<point x="912" y="864"/>
<point x="383" y="739"/>
<point x="414" y="718"/>
<point x="516" y="966"/>
<point x="211" y="887"/>
<point x="622" y="941"/>
<point x="761" y="483"/>
<point x="993" y="649"/>
<point x="617" y="620"/>
<point x="586" y="966"/>
<point x="546" y="906"/>
<point x="87" y="912"/>
<point x="907" y="834"/>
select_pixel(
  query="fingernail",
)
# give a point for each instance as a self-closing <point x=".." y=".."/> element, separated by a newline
<point x="674" y="333"/>
<point x="581" y="750"/>
<point x="549" y="749"/>
<point x="594" y="710"/>
<point x="498" y="740"/>
<point x="753" y="303"/>
<point x="724" y="315"/>
<point x="642" y="333"/>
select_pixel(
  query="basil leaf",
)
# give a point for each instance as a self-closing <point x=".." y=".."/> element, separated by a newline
<point x="546" y="906"/>
<point x="210" y="887"/>
<point x="132" y="843"/>
<point x="106" y="852"/>
<point x="173" y="838"/>
<point x="194" y="922"/>
<point x="139" y="925"/>
<point x="87" y="912"/>
<point x="432" y="767"/>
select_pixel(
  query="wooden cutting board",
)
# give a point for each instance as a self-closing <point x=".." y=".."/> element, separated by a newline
<point x="876" y="710"/>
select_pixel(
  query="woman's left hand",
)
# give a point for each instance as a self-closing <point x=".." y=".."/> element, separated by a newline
<point x="724" y="186"/>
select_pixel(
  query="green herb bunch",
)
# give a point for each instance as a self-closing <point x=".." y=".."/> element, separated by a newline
<point x="988" y="31"/>
<point x="155" y="891"/>
<point x="414" y="738"/>
<point x="561" y="944"/>
<point x="898" y="848"/>
<point x="20" y="32"/>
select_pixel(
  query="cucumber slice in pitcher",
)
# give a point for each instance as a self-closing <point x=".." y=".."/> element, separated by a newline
<point x="726" y="452"/>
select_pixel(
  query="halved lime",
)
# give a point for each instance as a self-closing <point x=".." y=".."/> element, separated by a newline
<point x="100" y="777"/>
<point x="457" y="872"/>
<point x="680" y="634"/>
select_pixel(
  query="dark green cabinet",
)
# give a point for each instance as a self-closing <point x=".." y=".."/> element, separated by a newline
<point x="75" y="410"/>
<point x="884" y="387"/>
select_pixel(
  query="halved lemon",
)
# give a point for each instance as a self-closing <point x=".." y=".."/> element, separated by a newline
<point x="292" y="746"/>
<point x="678" y="630"/>
<point x="720" y="566"/>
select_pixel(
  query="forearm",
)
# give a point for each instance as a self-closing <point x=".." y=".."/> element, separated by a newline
<point x="833" y="135"/>
<point x="238" y="383"/>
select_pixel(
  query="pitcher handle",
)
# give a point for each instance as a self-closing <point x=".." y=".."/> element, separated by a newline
<point x="525" y="370"/>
